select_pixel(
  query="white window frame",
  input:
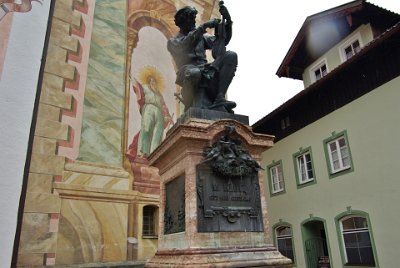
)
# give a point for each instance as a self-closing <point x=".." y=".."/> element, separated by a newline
<point x="317" y="67"/>
<point x="299" y="168"/>
<point x="277" y="179"/>
<point x="340" y="156"/>
<point x="353" y="231"/>
<point x="349" y="42"/>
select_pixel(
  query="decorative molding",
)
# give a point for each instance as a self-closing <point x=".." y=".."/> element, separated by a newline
<point x="96" y="169"/>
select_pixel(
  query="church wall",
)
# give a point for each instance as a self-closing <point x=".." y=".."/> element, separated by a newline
<point x="40" y="225"/>
<point x="89" y="178"/>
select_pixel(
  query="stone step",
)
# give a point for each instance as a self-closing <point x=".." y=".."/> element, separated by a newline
<point x="127" y="264"/>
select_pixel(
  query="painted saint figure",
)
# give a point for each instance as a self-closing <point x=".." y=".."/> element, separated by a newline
<point x="154" y="112"/>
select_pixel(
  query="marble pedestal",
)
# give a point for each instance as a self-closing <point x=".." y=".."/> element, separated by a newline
<point x="183" y="245"/>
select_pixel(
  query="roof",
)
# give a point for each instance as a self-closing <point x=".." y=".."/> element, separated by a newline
<point x="346" y="18"/>
<point x="382" y="52"/>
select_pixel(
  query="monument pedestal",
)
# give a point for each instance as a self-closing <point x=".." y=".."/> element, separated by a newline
<point x="208" y="218"/>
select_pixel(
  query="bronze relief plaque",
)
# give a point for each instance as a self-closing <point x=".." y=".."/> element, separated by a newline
<point x="228" y="204"/>
<point x="174" y="213"/>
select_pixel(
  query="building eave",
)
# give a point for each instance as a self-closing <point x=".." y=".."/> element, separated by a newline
<point x="393" y="32"/>
<point x="288" y="67"/>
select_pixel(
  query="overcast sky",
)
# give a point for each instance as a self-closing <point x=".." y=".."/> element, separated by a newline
<point x="262" y="34"/>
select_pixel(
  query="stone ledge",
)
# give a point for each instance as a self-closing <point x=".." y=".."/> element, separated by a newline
<point x="195" y="135"/>
<point x="130" y="264"/>
<point x="220" y="257"/>
<point x="94" y="168"/>
<point x="80" y="192"/>
<point x="210" y="115"/>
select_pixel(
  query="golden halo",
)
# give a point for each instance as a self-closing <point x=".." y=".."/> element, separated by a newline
<point x="151" y="71"/>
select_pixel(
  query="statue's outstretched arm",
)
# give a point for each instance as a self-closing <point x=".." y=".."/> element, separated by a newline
<point x="228" y="22"/>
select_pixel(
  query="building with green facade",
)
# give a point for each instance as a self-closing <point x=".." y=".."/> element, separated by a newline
<point x="332" y="176"/>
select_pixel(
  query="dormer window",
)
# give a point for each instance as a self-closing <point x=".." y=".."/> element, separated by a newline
<point x="350" y="47"/>
<point x="318" y="71"/>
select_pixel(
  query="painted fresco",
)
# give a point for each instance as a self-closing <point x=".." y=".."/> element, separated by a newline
<point x="152" y="103"/>
<point x="103" y="113"/>
<point x="107" y="100"/>
<point x="121" y="40"/>
<point x="87" y="228"/>
<point x="112" y="101"/>
<point x="76" y="88"/>
<point x="150" y="25"/>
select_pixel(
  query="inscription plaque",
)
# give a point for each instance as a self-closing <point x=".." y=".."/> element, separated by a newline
<point x="228" y="204"/>
<point x="174" y="213"/>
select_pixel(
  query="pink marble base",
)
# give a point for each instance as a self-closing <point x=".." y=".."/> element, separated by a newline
<point x="179" y="155"/>
<point x="146" y="179"/>
<point x="219" y="257"/>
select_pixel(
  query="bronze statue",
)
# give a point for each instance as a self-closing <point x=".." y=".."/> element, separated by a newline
<point x="204" y="85"/>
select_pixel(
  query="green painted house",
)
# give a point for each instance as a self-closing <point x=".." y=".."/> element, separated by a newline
<point x="333" y="186"/>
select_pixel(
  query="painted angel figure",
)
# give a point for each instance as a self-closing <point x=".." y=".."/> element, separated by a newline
<point x="154" y="112"/>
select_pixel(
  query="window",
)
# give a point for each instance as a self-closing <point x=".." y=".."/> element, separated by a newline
<point x="284" y="241"/>
<point x="149" y="220"/>
<point x="304" y="167"/>
<point x="352" y="49"/>
<point x="277" y="178"/>
<point x="356" y="241"/>
<point x="339" y="157"/>
<point x="339" y="154"/>
<point x="276" y="182"/>
<point x="318" y="71"/>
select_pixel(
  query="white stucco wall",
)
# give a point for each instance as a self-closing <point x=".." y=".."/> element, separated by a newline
<point x="18" y="86"/>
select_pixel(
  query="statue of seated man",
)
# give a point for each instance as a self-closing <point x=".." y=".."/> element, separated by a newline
<point x="204" y="85"/>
